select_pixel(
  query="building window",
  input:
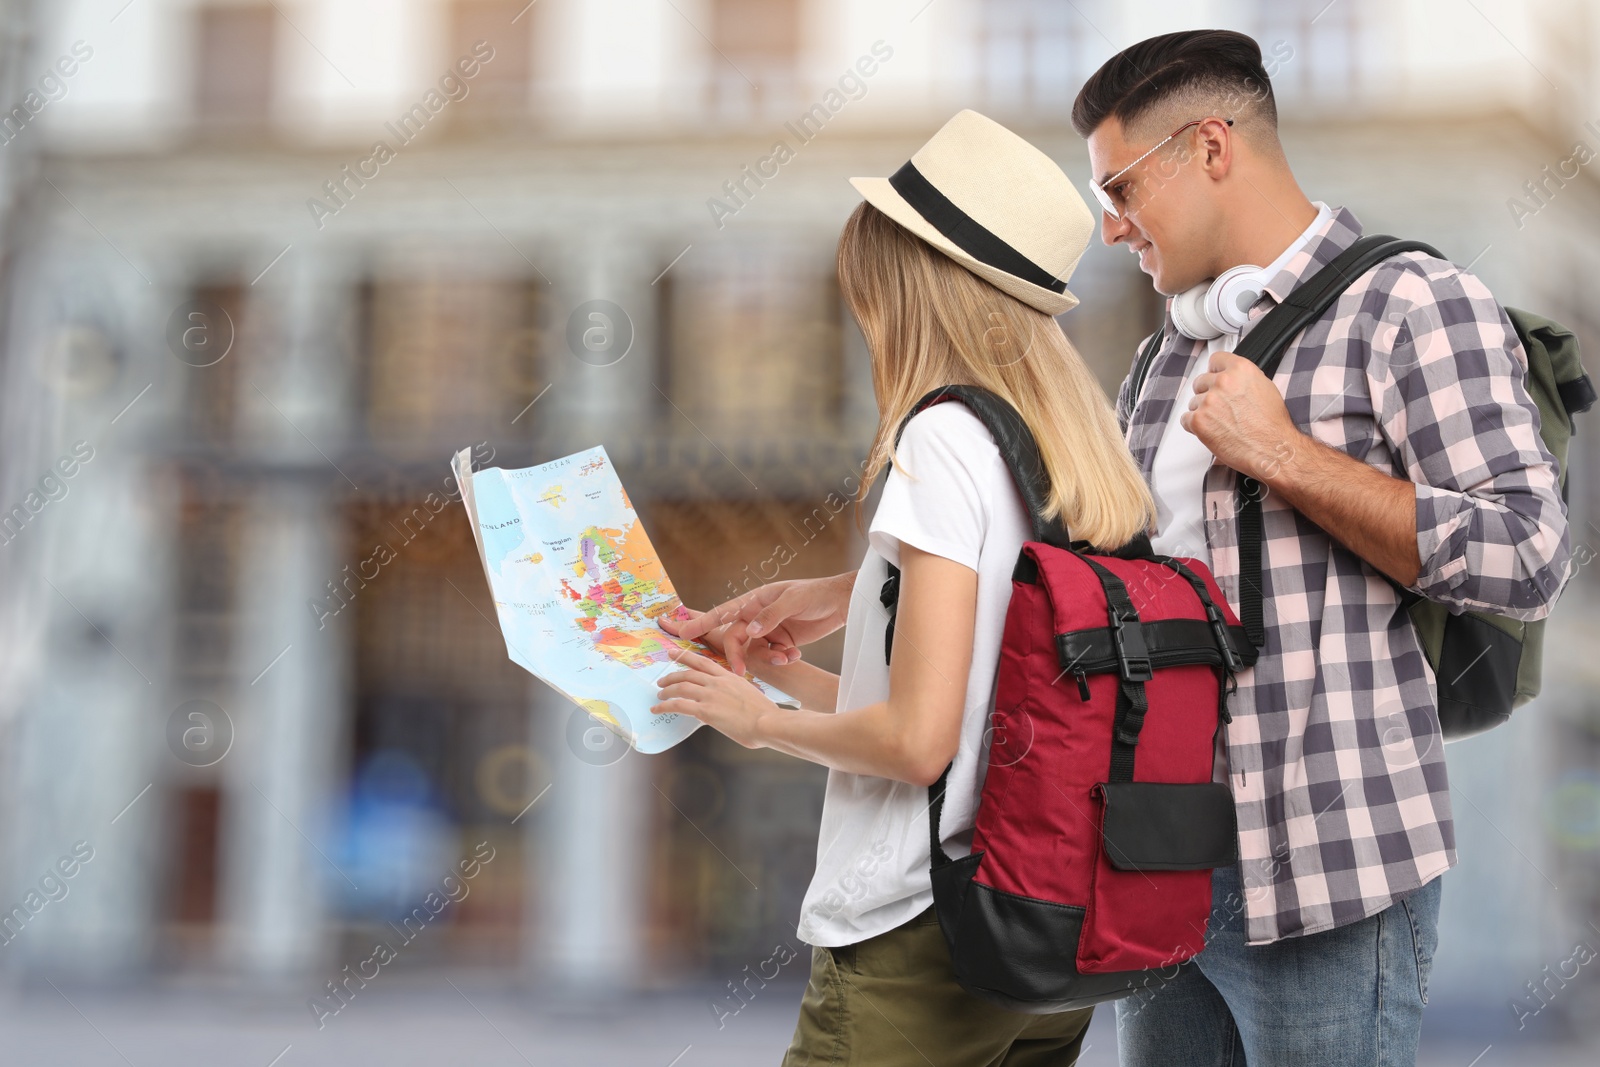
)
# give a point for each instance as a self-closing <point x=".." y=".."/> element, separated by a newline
<point x="451" y="360"/>
<point x="440" y="754"/>
<point x="498" y="36"/>
<point x="211" y="334"/>
<point x="209" y="536"/>
<point x="1032" y="55"/>
<point x="233" y="65"/>
<point x="206" y="554"/>
<point x="1310" y="49"/>
<point x="756" y="55"/>
<point x="193" y="875"/>
<point x="755" y="346"/>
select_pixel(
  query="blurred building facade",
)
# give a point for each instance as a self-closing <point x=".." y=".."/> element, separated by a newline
<point x="269" y="264"/>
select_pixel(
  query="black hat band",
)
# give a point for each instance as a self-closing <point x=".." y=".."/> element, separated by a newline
<point x="967" y="233"/>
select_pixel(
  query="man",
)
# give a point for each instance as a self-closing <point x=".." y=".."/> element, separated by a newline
<point x="1398" y="450"/>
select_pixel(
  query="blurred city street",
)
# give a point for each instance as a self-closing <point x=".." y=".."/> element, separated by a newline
<point x="466" y="1017"/>
<point x="266" y="266"/>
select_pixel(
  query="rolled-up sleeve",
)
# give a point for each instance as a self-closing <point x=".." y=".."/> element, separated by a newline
<point x="1447" y="378"/>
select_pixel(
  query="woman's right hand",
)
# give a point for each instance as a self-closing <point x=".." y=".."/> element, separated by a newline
<point x="700" y="626"/>
<point x="776" y="619"/>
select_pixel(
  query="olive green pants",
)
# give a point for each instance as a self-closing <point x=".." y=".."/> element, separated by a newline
<point x="893" y="1000"/>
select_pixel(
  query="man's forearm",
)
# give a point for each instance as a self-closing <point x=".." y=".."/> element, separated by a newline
<point x="1367" y="511"/>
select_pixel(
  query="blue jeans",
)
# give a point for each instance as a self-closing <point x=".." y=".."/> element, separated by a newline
<point x="1351" y="996"/>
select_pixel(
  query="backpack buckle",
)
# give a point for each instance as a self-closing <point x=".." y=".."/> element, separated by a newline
<point x="1133" y="656"/>
<point x="1219" y="627"/>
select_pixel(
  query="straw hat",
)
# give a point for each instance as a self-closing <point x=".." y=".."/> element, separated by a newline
<point x="993" y="203"/>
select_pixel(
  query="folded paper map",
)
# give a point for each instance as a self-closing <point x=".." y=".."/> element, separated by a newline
<point x="578" y="589"/>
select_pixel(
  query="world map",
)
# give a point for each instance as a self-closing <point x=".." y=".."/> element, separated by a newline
<point x="578" y="589"/>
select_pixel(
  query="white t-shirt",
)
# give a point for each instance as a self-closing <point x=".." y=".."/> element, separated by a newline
<point x="872" y="849"/>
<point x="1178" y="473"/>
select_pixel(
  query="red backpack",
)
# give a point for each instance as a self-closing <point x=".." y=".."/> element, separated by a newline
<point x="1098" y="824"/>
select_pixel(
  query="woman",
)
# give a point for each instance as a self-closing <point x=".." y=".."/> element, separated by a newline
<point x="953" y="269"/>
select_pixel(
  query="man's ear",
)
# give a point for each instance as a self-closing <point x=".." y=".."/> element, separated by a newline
<point x="1218" y="143"/>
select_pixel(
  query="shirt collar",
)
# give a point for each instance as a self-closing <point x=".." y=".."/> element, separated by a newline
<point x="1336" y="234"/>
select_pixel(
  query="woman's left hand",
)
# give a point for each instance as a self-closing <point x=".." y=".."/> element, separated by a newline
<point x="716" y="696"/>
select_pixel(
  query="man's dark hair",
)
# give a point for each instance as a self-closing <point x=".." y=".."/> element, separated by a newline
<point x="1203" y="63"/>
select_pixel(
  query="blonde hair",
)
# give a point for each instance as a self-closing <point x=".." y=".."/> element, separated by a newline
<point x="929" y="322"/>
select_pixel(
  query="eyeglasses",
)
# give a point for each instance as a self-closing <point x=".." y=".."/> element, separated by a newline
<point x="1098" y="188"/>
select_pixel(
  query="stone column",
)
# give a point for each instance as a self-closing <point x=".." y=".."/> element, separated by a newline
<point x="602" y="361"/>
<point x="588" y="857"/>
<point x="84" y="582"/>
<point x="280" y="807"/>
<point x="87" y="742"/>
<point x="589" y="845"/>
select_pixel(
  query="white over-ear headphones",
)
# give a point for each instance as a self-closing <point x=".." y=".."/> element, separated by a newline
<point x="1214" y="308"/>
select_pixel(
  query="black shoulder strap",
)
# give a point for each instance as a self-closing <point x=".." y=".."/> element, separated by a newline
<point x="1017" y="445"/>
<point x="1268" y="339"/>
<point x="1265" y="346"/>
<point x="1022" y="457"/>
<point x="1141" y="371"/>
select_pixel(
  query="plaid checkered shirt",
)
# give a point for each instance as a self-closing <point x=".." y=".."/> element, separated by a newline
<point x="1335" y="756"/>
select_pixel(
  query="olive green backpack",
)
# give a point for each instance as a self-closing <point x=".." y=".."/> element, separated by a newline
<point x="1484" y="665"/>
